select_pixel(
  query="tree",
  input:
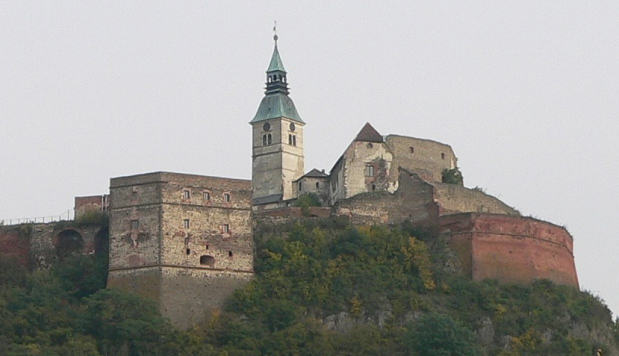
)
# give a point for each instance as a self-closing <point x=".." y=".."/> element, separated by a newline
<point x="439" y="335"/>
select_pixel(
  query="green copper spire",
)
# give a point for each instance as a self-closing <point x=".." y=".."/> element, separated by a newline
<point x="276" y="62"/>
<point x="276" y="102"/>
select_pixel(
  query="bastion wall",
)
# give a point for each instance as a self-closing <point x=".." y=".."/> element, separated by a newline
<point x="510" y="248"/>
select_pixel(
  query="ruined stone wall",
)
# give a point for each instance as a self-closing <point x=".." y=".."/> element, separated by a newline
<point x="366" y="168"/>
<point x="454" y="198"/>
<point x="90" y="203"/>
<point x="15" y="243"/>
<point x="36" y="245"/>
<point x="426" y="158"/>
<point x="413" y="201"/>
<point x="511" y="249"/>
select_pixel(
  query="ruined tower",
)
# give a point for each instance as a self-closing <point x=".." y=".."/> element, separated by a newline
<point x="277" y="140"/>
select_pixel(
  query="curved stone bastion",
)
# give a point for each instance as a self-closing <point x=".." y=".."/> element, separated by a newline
<point x="510" y="248"/>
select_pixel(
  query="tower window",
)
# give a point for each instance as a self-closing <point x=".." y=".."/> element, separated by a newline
<point x="442" y="156"/>
<point x="317" y="185"/>
<point x="207" y="195"/>
<point x="264" y="140"/>
<point x="186" y="223"/>
<point x="226" y="197"/>
<point x="135" y="224"/>
<point x="370" y="145"/>
<point x="226" y="228"/>
<point x="412" y="149"/>
<point x="188" y="251"/>
<point x="369" y="170"/>
<point x="294" y="140"/>
<point x="186" y="194"/>
<point x="230" y="253"/>
<point x="290" y="140"/>
<point x="269" y="139"/>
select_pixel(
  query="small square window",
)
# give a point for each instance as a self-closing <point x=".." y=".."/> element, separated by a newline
<point x="226" y="228"/>
<point x="135" y="224"/>
<point x="207" y="196"/>
<point x="186" y="194"/>
<point x="186" y="223"/>
<point x="226" y="197"/>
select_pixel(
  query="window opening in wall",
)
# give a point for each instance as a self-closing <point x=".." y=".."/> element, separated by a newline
<point x="226" y="228"/>
<point x="300" y="186"/>
<point x="207" y="196"/>
<point x="188" y="251"/>
<point x="412" y="149"/>
<point x="269" y="139"/>
<point x="206" y="260"/>
<point x="370" y="145"/>
<point x="442" y="156"/>
<point x="226" y="197"/>
<point x="186" y="194"/>
<point x="264" y="140"/>
<point x="229" y="253"/>
<point x="317" y="185"/>
<point x="135" y="224"/>
<point x="207" y="246"/>
<point x="186" y="223"/>
<point x="290" y="140"/>
<point x="369" y="171"/>
<point x="373" y="186"/>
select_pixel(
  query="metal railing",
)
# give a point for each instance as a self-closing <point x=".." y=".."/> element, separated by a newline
<point x="67" y="215"/>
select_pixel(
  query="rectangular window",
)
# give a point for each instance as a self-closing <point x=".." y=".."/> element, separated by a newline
<point x="226" y="228"/>
<point x="226" y="197"/>
<point x="186" y="194"/>
<point x="186" y="223"/>
<point x="369" y="171"/>
<point x="135" y="224"/>
<point x="207" y="196"/>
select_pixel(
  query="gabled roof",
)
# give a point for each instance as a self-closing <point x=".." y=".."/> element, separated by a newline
<point x="368" y="134"/>
<point x="314" y="173"/>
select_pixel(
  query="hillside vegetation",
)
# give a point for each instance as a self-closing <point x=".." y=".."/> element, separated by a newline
<point x="322" y="287"/>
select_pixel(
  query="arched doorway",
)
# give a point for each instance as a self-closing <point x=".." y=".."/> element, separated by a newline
<point x="102" y="241"/>
<point x="206" y="260"/>
<point x="69" y="242"/>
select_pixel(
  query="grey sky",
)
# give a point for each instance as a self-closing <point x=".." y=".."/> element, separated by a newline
<point x="526" y="93"/>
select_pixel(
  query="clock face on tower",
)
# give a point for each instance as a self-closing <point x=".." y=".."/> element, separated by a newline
<point x="266" y="127"/>
<point x="292" y="127"/>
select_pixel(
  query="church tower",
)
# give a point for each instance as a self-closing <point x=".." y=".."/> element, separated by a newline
<point x="277" y="139"/>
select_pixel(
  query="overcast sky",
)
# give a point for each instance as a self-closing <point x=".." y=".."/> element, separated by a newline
<point x="526" y="93"/>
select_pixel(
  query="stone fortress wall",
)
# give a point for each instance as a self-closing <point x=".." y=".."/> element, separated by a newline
<point x="182" y="240"/>
<point x="40" y="245"/>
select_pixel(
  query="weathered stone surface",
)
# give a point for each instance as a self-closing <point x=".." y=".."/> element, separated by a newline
<point x="191" y="235"/>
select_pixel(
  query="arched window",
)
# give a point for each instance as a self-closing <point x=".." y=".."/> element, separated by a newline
<point x="269" y="139"/>
<point x="290" y="140"/>
<point x="264" y="140"/>
<point x="294" y="140"/>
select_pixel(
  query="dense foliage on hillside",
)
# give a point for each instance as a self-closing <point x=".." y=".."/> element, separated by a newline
<point x="322" y="288"/>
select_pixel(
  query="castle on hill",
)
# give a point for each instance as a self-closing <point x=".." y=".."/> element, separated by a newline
<point x="186" y="240"/>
